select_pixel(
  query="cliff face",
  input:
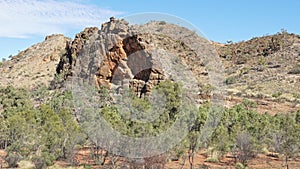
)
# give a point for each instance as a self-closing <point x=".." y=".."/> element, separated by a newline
<point x="73" y="48"/>
<point x="129" y="56"/>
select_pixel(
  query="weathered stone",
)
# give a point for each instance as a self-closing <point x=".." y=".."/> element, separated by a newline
<point x="119" y="52"/>
<point x="68" y="60"/>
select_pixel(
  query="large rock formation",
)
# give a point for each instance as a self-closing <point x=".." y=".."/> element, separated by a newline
<point x="73" y="48"/>
<point x="122" y="55"/>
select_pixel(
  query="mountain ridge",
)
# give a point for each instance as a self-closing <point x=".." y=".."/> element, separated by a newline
<point x="262" y="69"/>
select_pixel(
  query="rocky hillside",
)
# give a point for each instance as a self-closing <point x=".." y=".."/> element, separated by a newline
<point x="36" y="65"/>
<point x="265" y="70"/>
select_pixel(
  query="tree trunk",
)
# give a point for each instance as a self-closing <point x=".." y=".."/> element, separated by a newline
<point x="286" y="162"/>
<point x="191" y="158"/>
<point x="5" y="145"/>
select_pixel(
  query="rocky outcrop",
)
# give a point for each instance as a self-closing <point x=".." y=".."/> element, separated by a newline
<point x="122" y="56"/>
<point x="68" y="60"/>
<point x="139" y="57"/>
<point x="143" y="82"/>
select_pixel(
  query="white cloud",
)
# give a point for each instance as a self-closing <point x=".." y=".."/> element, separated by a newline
<point x="24" y="18"/>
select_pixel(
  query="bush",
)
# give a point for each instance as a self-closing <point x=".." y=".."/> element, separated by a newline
<point x="295" y="70"/>
<point x="212" y="160"/>
<point x="245" y="147"/>
<point x="87" y="166"/>
<point x="262" y="61"/>
<point x="265" y="151"/>
<point x="296" y="95"/>
<point x="241" y="60"/>
<point x="162" y="22"/>
<point x="155" y="161"/>
<point x="230" y="80"/>
<point x="276" y="95"/>
<point x="39" y="163"/>
<point x="12" y="160"/>
<point x="297" y="117"/>
<point x="239" y="166"/>
<point x="244" y="71"/>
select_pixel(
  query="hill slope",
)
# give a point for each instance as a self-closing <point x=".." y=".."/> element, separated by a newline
<point x="36" y="65"/>
<point x="265" y="70"/>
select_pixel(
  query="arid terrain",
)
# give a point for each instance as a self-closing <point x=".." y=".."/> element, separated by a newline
<point x="261" y="75"/>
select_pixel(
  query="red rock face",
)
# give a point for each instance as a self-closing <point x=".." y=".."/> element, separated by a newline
<point x="124" y="56"/>
<point x="126" y="60"/>
<point x="110" y="64"/>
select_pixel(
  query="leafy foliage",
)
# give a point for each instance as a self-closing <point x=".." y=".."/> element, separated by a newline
<point x="140" y="108"/>
<point x="49" y="131"/>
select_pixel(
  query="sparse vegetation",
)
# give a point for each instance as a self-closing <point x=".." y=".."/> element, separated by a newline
<point x="241" y="130"/>
<point x="212" y="160"/>
<point x="26" y="130"/>
<point x="239" y="166"/>
<point x="295" y="69"/>
<point x="162" y="22"/>
<point x="244" y="70"/>
<point x="262" y="61"/>
<point x="40" y="125"/>
<point x="241" y="60"/>
<point x="296" y="95"/>
<point x="231" y="80"/>
<point x="277" y="94"/>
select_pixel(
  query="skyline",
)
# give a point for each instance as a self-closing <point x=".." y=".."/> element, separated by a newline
<point x="27" y="22"/>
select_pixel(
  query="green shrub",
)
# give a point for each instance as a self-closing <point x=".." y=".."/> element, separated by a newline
<point x="12" y="160"/>
<point x="295" y="70"/>
<point x="248" y="104"/>
<point x="276" y="95"/>
<point x="244" y="71"/>
<point x="265" y="151"/>
<point x="212" y="160"/>
<point x="39" y="162"/>
<point x="162" y="22"/>
<point x="47" y="159"/>
<point x="262" y="61"/>
<point x="242" y="60"/>
<point x="296" y="95"/>
<point x="87" y="166"/>
<point x="239" y="166"/>
<point x="297" y="117"/>
<point x="230" y="80"/>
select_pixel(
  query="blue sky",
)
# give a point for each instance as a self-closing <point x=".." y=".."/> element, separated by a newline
<point x="26" y="22"/>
